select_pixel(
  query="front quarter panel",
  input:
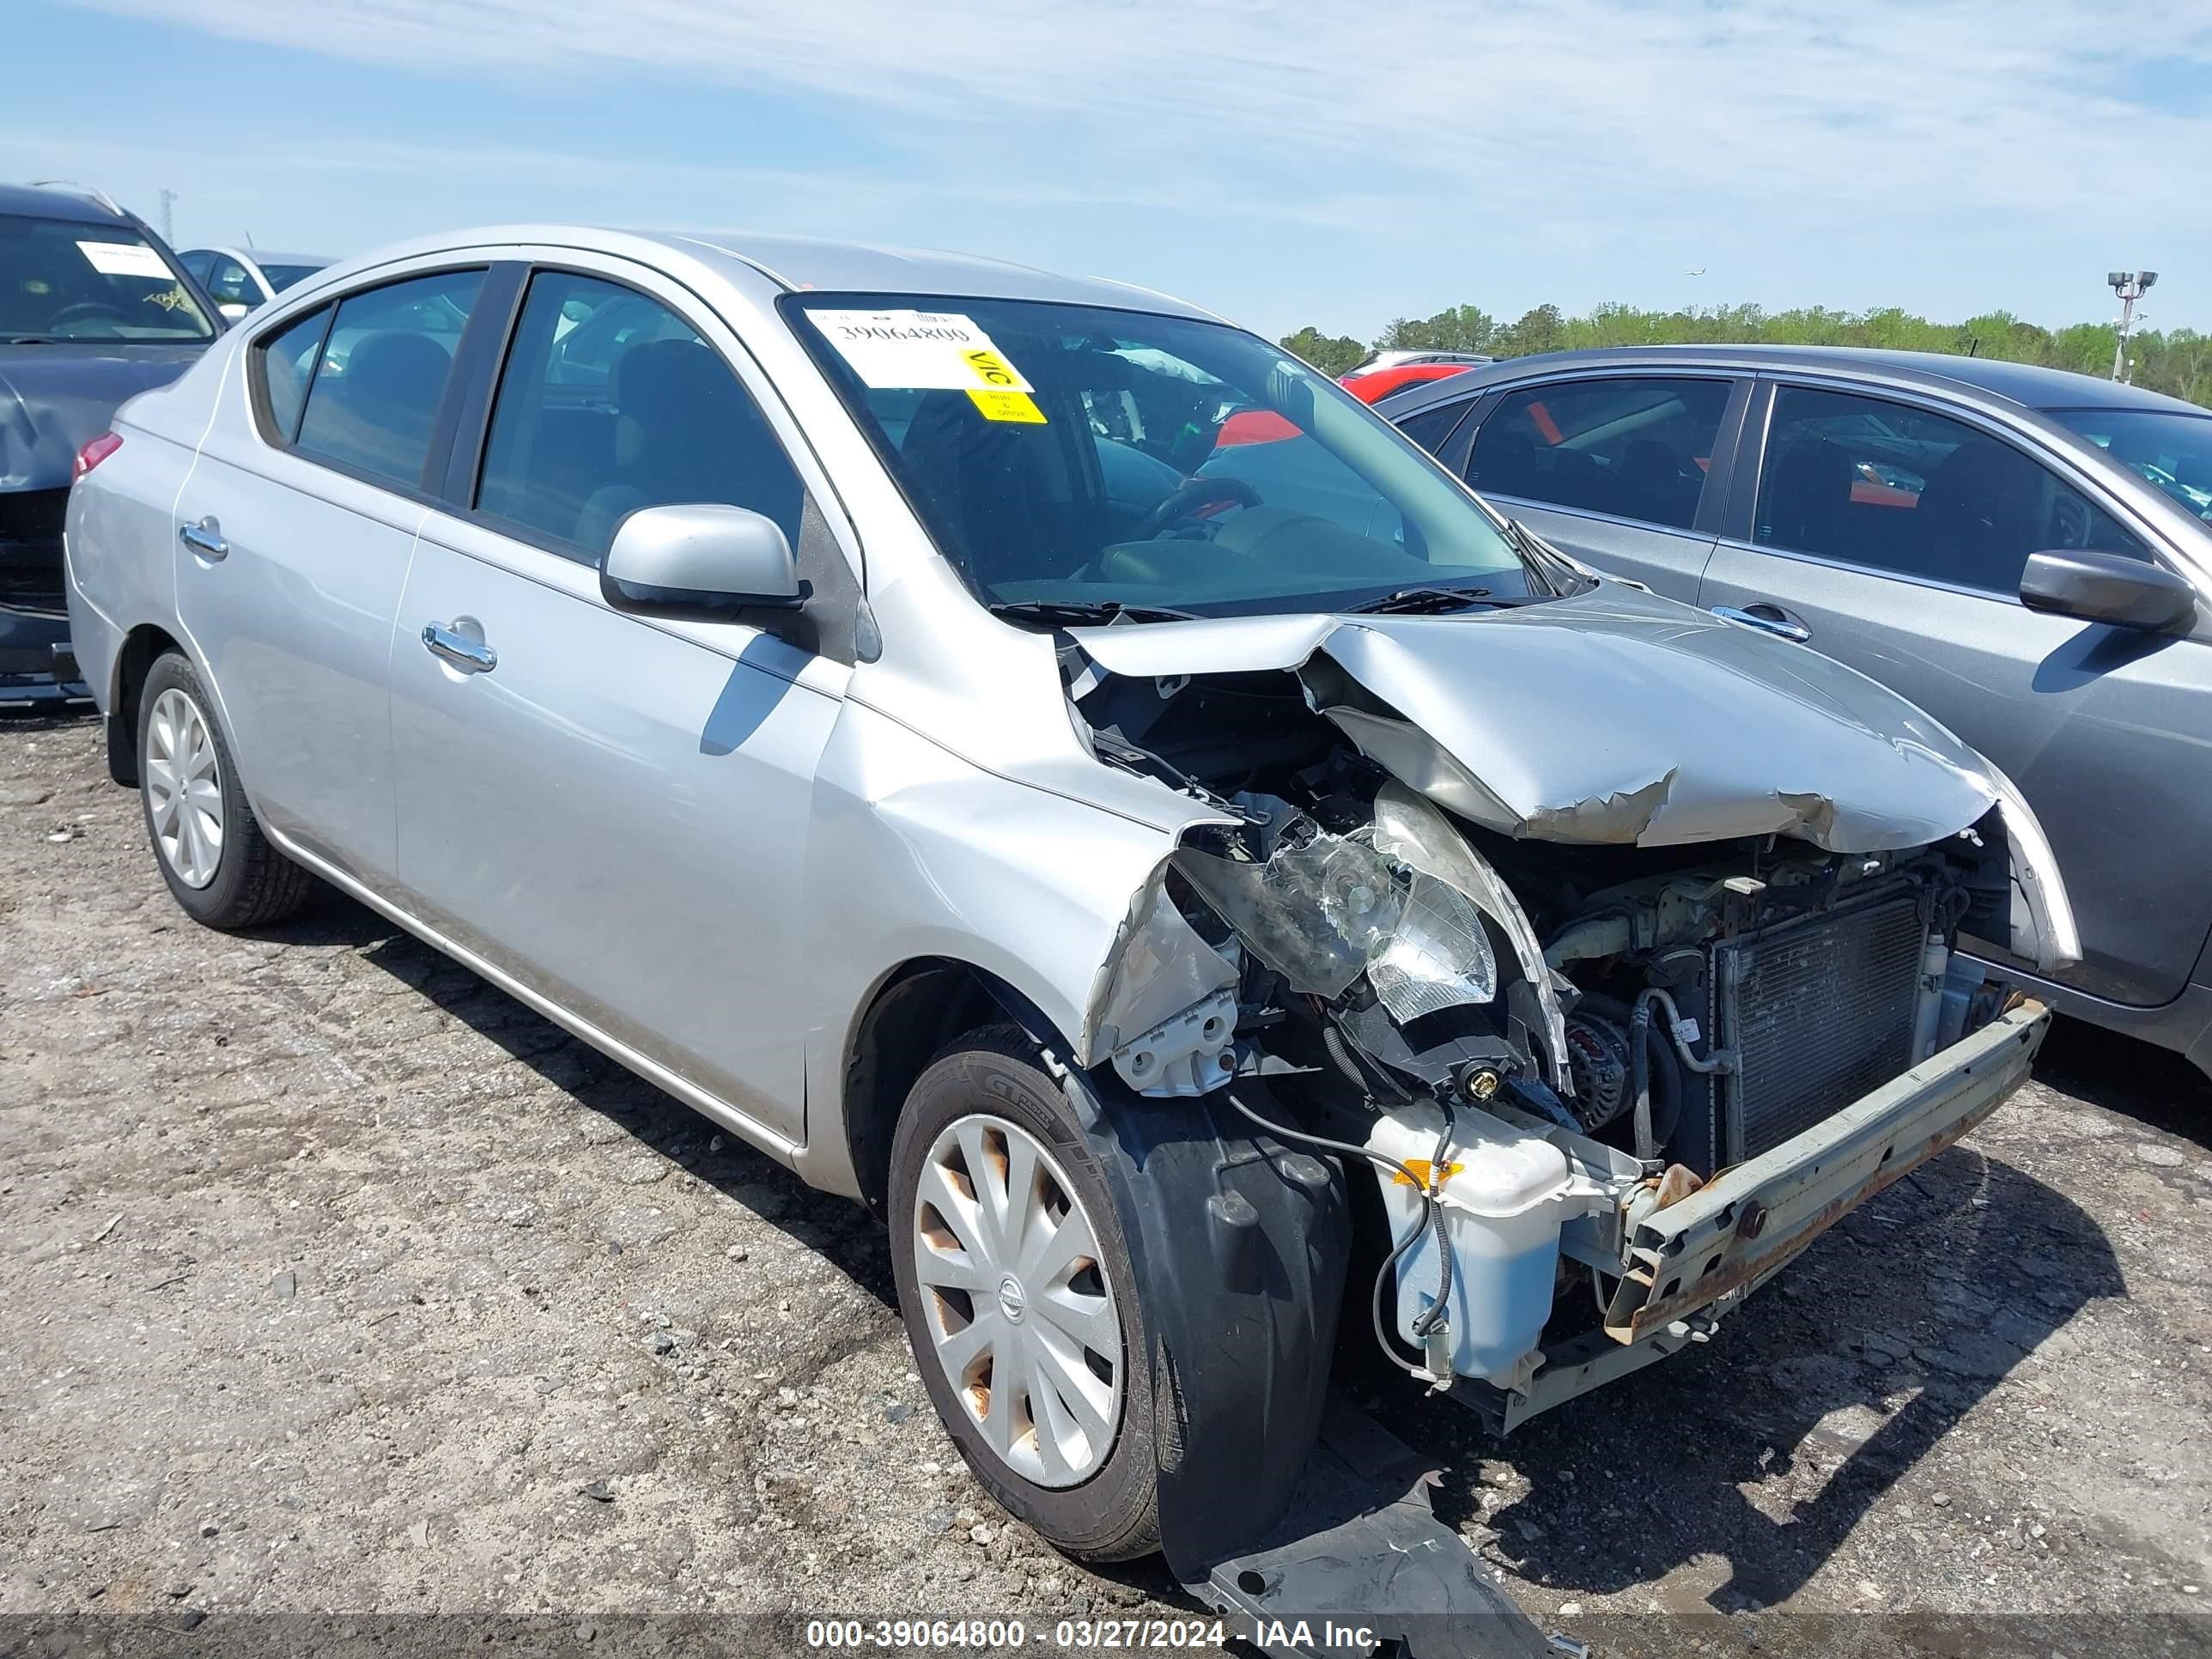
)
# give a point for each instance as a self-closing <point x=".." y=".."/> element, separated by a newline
<point x="916" y="854"/>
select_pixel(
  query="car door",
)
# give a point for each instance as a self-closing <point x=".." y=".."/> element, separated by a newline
<point x="612" y="807"/>
<point x="1617" y="470"/>
<point x="1895" y="532"/>
<point x="295" y="524"/>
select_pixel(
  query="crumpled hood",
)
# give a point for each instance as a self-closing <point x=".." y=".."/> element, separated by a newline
<point x="1612" y="716"/>
<point x="54" y="398"/>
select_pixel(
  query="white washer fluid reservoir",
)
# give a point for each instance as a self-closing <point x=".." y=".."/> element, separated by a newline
<point x="1506" y="1193"/>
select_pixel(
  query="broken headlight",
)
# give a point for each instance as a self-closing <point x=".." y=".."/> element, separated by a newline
<point x="1437" y="958"/>
<point x="1321" y="910"/>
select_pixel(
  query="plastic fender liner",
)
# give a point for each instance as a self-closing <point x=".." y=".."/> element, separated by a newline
<point x="1361" y="1552"/>
<point x="1239" y="1244"/>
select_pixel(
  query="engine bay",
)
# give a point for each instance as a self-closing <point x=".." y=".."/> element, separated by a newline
<point x="1532" y="1042"/>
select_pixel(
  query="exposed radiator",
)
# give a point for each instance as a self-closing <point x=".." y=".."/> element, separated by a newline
<point x="1819" y="1012"/>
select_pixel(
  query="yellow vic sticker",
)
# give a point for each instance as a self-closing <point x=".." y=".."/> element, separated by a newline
<point x="1008" y="406"/>
<point x="992" y="370"/>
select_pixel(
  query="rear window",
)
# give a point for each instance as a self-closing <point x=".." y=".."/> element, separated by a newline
<point x="64" y="280"/>
<point x="380" y="376"/>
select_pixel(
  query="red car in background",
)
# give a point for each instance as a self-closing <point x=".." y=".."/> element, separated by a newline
<point x="1386" y="372"/>
<point x="1370" y="381"/>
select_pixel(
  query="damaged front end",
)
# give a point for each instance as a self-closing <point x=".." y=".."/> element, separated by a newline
<point x="1623" y="994"/>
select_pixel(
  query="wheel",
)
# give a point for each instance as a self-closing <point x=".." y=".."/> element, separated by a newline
<point x="1019" y="1299"/>
<point x="218" y="864"/>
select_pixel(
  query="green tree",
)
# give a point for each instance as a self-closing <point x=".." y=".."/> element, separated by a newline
<point x="1332" y="353"/>
<point x="2178" y="362"/>
<point x="1540" y="330"/>
<point x="1462" y="328"/>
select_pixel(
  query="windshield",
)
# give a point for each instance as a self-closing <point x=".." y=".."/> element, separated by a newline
<point x="63" y="279"/>
<point x="2174" y="451"/>
<point x="1080" y="456"/>
<point x="282" y="277"/>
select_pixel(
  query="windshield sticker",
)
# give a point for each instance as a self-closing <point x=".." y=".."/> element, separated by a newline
<point x="124" y="260"/>
<point x="1008" y="406"/>
<point x="921" y="351"/>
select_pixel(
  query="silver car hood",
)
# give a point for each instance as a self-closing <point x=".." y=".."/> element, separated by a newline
<point x="1611" y="716"/>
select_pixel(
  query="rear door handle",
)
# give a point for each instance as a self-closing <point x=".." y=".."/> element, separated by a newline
<point x="204" y="539"/>
<point x="1768" y="619"/>
<point x="469" y="656"/>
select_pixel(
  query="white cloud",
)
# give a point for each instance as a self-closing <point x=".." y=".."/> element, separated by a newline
<point x="1591" y="129"/>
<point x="1985" y="102"/>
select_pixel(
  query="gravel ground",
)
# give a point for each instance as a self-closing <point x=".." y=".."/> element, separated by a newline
<point x="333" y="1279"/>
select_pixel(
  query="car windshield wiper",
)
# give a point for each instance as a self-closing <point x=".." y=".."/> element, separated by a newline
<point x="1415" y="599"/>
<point x="33" y="340"/>
<point x="1085" y="612"/>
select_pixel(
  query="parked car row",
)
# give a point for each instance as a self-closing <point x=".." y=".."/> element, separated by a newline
<point x="2025" y="553"/>
<point x="1046" y="764"/>
<point x="242" y="278"/>
<point x="93" y="309"/>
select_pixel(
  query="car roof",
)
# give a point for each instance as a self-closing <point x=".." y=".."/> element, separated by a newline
<point x="262" y="256"/>
<point x="799" y="263"/>
<point x="55" y="202"/>
<point x="2029" y="385"/>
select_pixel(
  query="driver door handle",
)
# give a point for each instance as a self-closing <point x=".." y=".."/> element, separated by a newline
<point x="204" y="539"/>
<point x="1768" y="619"/>
<point x="469" y="656"/>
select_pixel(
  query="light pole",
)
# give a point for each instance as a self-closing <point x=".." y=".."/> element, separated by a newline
<point x="168" y="201"/>
<point x="2131" y="286"/>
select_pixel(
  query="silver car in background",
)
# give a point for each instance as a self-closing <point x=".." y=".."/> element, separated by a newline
<point x="2024" y="552"/>
<point x="889" y="701"/>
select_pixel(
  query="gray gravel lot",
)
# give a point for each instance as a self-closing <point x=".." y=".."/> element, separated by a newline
<point x="330" y="1278"/>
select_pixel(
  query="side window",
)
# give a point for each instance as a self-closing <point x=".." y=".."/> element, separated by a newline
<point x="1871" y="483"/>
<point x="287" y="364"/>
<point x="230" y="284"/>
<point x="376" y="389"/>
<point x="1634" y="448"/>
<point x="610" y="402"/>
<point x="1431" y="426"/>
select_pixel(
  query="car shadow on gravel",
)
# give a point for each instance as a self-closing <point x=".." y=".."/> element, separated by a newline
<point x="2154" y="1086"/>
<point x="837" y="1230"/>
<point x="1857" y="1361"/>
<point x="1768" y="1445"/>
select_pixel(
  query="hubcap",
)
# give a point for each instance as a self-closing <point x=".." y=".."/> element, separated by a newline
<point x="1016" y="1301"/>
<point x="184" y="788"/>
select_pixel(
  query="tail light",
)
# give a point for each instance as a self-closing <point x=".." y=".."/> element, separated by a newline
<point x="94" y="453"/>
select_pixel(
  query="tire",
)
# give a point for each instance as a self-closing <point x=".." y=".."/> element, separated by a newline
<point x="221" y="869"/>
<point x="1093" y="1494"/>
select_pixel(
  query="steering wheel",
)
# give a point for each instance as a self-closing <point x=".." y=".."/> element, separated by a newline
<point x="1186" y="497"/>
<point x="85" y="309"/>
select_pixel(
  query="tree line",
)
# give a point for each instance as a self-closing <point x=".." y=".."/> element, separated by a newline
<point x="2177" y="361"/>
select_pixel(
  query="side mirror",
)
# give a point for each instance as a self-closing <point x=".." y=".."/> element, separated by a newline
<point x="699" y="557"/>
<point x="2108" y="588"/>
<point x="232" y="311"/>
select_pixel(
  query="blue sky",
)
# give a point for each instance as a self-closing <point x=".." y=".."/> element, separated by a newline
<point x="1280" y="163"/>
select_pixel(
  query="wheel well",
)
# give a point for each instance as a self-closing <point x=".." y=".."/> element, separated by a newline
<point x="140" y="648"/>
<point x="922" y="1007"/>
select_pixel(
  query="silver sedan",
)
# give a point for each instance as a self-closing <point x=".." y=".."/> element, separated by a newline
<point x="1041" y="761"/>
